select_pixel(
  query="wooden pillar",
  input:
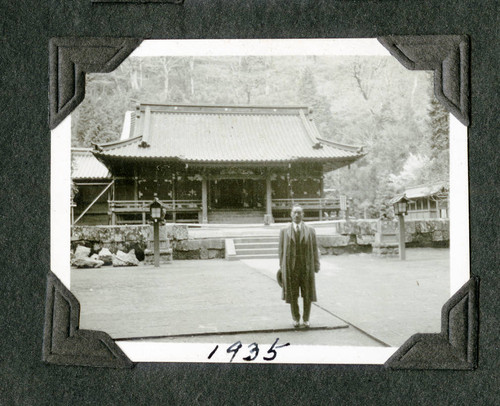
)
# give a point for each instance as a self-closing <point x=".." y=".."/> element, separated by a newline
<point x="136" y="194"/>
<point x="206" y="175"/>
<point x="269" y="200"/>
<point x="174" y="192"/>
<point x="136" y="185"/>
<point x="289" y="183"/>
<point x="204" y="200"/>
<point x="402" y="242"/>
<point x="109" y="204"/>
<point x="113" y="214"/>
<point x="269" y="195"/>
<point x="321" y="186"/>
<point x="321" y="197"/>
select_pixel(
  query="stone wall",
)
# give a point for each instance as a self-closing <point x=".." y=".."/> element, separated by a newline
<point x="199" y="249"/>
<point x="427" y="233"/>
<point x="348" y="237"/>
<point x="125" y="238"/>
<point x="382" y="236"/>
<point x="351" y="237"/>
<point x="140" y="238"/>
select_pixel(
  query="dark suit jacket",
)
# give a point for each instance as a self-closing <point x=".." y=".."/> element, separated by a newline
<point x="287" y="260"/>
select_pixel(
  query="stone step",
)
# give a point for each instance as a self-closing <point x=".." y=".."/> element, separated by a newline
<point x="256" y="246"/>
<point x="256" y="250"/>
<point x="237" y="217"/>
<point x="253" y="247"/>
<point x="242" y="214"/>
<point x="236" y="220"/>
<point x="257" y="256"/>
<point x="270" y="244"/>
<point x="251" y="240"/>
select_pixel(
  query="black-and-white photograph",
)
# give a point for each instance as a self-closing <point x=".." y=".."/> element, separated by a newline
<point x="257" y="201"/>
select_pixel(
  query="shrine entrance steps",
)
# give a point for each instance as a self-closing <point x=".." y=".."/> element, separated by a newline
<point x="242" y="216"/>
<point x="255" y="247"/>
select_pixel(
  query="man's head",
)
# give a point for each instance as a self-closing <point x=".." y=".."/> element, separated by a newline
<point x="297" y="214"/>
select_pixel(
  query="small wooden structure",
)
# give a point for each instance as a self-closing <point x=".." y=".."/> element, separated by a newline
<point x="429" y="201"/>
<point x="92" y="184"/>
<point x="221" y="164"/>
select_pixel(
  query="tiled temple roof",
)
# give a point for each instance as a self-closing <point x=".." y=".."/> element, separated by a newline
<point x="430" y="189"/>
<point x="84" y="165"/>
<point x="218" y="134"/>
<point x="438" y="190"/>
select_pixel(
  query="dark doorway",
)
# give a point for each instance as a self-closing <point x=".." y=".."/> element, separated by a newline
<point x="229" y="193"/>
<point x="237" y="194"/>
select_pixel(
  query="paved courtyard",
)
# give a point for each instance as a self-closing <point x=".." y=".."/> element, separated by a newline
<point x="363" y="300"/>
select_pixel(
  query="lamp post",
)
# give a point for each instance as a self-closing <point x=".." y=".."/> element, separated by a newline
<point x="156" y="213"/>
<point x="400" y="204"/>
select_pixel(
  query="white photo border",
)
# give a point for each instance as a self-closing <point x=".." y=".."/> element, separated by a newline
<point x="148" y="351"/>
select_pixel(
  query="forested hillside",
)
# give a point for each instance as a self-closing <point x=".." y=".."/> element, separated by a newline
<point x="370" y="101"/>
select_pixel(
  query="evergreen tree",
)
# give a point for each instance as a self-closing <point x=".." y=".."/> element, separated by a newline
<point x="308" y="95"/>
<point x="440" y="126"/>
<point x="439" y="141"/>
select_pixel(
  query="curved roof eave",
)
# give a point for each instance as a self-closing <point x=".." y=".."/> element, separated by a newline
<point x="112" y="144"/>
<point x="323" y="160"/>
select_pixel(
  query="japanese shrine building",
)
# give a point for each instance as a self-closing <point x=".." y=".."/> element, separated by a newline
<point x="220" y="164"/>
<point x="428" y="201"/>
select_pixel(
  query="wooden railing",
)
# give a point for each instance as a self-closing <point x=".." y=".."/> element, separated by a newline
<point x="325" y="203"/>
<point x="139" y="206"/>
<point x="190" y="210"/>
<point x="142" y="206"/>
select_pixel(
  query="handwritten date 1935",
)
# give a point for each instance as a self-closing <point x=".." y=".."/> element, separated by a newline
<point x="253" y="351"/>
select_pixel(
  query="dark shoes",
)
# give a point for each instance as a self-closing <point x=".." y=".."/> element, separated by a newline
<point x="297" y="324"/>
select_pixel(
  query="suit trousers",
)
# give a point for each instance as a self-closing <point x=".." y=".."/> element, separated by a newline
<point x="298" y="284"/>
<point x="296" y="312"/>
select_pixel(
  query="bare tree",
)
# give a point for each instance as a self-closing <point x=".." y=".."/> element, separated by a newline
<point x="167" y="64"/>
<point x="356" y="73"/>
<point x="136" y="73"/>
<point x="366" y="76"/>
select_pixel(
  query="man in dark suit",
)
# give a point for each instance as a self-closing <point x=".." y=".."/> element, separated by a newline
<point x="299" y="261"/>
